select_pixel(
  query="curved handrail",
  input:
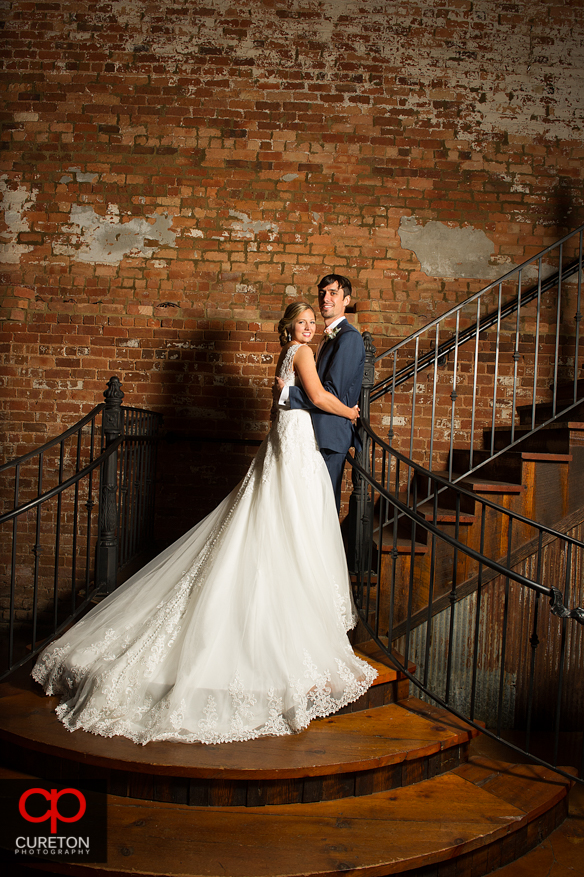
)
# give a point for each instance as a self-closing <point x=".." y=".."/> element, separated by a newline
<point x="87" y="552"/>
<point x="479" y="726"/>
<point x="490" y="319"/>
<point x="73" y="430"/>
<point x="363" y="585"/>
<point x="59" y="488"/>
<point x="411" y="464"/>
<point x="554" y="594"/>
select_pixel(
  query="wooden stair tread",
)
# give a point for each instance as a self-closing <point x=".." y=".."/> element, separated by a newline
<point x="445" y="516"/>
<point x="528" y="786"/>
<point x="336" y="744"/>
<point x="476" y="484"/>
<point x="374" y="654"/>
<point x="379" y="661"/>
<point x="402" y="546"/>
<point x="546" y="458"/>
<point x="380" y="834"/>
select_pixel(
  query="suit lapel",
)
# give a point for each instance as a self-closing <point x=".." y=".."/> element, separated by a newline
<point x="325" y="347"/>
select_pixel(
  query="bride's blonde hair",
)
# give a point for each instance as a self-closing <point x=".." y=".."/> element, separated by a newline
<point x="291" y="314"/>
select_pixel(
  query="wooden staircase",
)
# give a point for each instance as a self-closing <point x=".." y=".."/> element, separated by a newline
<point x="385" y="787"/>
<point x="541" y="479"/>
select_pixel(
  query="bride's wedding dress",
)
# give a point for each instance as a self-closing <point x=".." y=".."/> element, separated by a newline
<point x="238" y="629"/>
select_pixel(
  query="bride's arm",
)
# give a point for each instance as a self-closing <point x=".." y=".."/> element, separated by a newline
<point x="305" y="368"/>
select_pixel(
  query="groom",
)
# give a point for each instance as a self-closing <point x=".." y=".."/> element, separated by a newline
<point x="339" y="362"/>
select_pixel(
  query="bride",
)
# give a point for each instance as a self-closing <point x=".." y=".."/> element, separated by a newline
<point x="239" y="629"/>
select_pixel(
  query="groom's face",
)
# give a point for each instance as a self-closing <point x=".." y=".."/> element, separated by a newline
<point x="332" y="302"/>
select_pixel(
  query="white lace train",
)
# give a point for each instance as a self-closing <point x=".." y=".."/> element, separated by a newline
<point x="237" y="630"/>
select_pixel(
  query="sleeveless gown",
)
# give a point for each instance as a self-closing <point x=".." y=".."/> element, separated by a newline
<point x="236" y="631"/>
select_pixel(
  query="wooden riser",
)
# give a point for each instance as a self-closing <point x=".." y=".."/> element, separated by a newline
<point x="465" y="823"/>
<point x="339" y="756"/>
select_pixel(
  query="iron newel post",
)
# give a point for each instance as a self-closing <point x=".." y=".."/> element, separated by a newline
<point x="107" y="546"/>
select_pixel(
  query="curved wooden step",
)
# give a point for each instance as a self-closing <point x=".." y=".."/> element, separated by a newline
<point x="338" y="756"/>
<point x="483" y="815"/>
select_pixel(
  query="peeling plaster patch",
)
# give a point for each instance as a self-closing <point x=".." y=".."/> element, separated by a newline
<point x="315" y="216"/>
<point x="194" y="233"/>
<point x="247" y="290"/>
<point x="528" y="81"/>
<point x="106" y="240"/>
<point x="291" y="291"/>
<point x="86" y="178"/>
<point x="246" y="228"/>
<point x="289" y="177"/>
<point x="449" y="252"/>
<point x="80" y="176"/>
<point x="16" y="201"/>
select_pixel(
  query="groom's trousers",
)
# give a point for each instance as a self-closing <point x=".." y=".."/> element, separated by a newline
<point x="335" y="463"/>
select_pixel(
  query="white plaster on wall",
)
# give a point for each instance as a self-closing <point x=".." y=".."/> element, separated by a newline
<point x="16" y="200"/>
<point x="246" y="228"/>
<point x="105" y="240"/>
<point x="449" y="252"/>
<point x="527" y="79"/>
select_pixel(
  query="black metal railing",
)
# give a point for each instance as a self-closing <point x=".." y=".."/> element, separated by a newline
<point x="468" y="598"/>
<point x="80" y="510"/>
<point x="513" y="340"/>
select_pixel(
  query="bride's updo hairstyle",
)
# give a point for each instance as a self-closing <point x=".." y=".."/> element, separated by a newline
<point x="291" y="314"/>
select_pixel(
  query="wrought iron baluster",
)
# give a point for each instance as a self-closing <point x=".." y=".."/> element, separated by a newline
<point x="37" y="550"/>
<point x="516" y="356"/>
<point x="504" y="632"/>
<point x="453" y="396"/>
<point x="557" y="339"/>
<point x="58" y="542"/>
<point x="75" y="527"/>
<point x="89" y="504"/>
<point x="536" y="357"/>
<point x="434" y="394"/>
<point x="477" y="625"/>
<point x="452" y="600"/>
<point x="496" y="374"/>
<point x="11" y="630"/>
<point x="428" y="642"/>
<point x="474" y="382"/>
<point x="577" y="320"/>
<point x="562" y="661"/>
<point x="534" y="643"/>
<point x="413" y="411"/>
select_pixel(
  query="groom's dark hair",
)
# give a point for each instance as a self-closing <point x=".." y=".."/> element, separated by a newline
<point x="344" y="283"/>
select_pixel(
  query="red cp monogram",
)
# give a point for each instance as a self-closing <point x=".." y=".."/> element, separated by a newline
<point x="53" y="811"/>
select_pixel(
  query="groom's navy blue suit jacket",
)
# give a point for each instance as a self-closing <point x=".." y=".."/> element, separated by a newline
<point x="340" y="369"/>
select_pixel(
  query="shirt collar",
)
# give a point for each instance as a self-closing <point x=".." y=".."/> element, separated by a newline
<point x="333" y="325"/>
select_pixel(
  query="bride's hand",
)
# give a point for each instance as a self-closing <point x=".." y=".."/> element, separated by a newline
<point x="277" y="388"/>
<point x="355" y="415"/>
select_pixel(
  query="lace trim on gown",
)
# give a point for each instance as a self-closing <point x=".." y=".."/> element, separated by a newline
<point x="248" y="639"/>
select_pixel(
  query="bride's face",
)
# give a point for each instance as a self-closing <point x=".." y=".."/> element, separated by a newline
<point x="304" y="328"/>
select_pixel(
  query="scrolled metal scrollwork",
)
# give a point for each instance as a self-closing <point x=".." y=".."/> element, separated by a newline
<point x="561" y="611"/>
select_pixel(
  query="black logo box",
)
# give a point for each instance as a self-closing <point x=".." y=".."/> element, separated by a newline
<point x="32" y="808"/>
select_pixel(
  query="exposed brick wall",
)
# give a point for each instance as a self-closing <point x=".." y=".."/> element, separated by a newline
<point x="174" y="174"/>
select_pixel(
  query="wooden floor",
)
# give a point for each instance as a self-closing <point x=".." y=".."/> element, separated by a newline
<point x="385" y="789"/>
